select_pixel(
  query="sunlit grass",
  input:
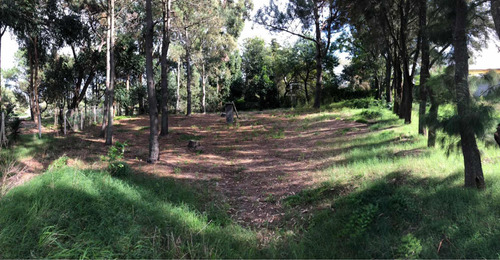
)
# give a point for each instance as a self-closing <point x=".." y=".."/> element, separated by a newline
<point x="392" y="197"/>
<point x="74" y="213"/>
<point x="385" y="195"/>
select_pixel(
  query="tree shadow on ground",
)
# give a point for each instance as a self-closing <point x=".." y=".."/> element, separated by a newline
<point x="401" y="216"/>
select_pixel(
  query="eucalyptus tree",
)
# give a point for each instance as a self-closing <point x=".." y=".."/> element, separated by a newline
<point x="176" y="54"/>
<point x="193" y="21"/>
<point x="257" y="65"/>
<point x="301" y="16"/>
<point x="110" y="71"/>
<point x="33" y="19"/>
<point x="154" y="146"/>
<point x="306" y="63"/>
<point x="166" y="31"/>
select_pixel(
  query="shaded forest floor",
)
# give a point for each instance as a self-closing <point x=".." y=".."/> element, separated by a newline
<point x="343" y="182"/>
<point x="255" y="163"/>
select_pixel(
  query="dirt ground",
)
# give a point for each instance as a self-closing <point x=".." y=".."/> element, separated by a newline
<point x="255" y="163"/>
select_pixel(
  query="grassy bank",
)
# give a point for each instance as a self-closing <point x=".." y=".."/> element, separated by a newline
<point x="73" y="213"/>
<point x="385" y="195"/>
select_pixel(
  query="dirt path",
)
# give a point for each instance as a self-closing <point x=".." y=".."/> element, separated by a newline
<point x="255" y="163"/>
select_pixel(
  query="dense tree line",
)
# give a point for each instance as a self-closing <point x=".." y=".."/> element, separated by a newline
<point x="176" y="56"/>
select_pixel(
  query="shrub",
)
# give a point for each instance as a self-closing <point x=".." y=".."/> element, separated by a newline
<point x="119" y="169"/>
<point x="115" y="166"/>
<point x="409" y="248"/>
<point x="59" y="162"/>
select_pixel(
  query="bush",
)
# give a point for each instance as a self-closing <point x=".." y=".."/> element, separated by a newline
<point x="370" y="114"/>
<point x="410" y="247"/>
<point x="59" y="162"/>
<point x="115" y="166"/>
<point x="119" y="169"/>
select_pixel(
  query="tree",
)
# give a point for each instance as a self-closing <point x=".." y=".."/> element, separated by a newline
<point x="257" y="68"/>
<point x="424" y="70"/>
<point x="318" y="15"/>
<point x="472" y="159"/>
<point x="110" y="71"/>
<point x="154" y="146"/>
<point x="164" y="66"/>
<point x="495" y="12"/>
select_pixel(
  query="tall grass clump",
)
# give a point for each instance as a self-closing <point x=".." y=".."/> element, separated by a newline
<point x="74" y="213"/>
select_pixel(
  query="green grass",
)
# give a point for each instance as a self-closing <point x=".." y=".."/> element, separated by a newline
<point x="30" y="145"/>
<point x="73" y="213"/>
<point x="389" y="196"/>
<point x="385" y="195"/>
<point x="123" y="117"/>
<point x="187" y="137"/>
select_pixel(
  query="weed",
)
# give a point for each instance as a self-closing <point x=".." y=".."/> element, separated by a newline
<point x="410" y="247"/>
<point x="270" y="198"/>
<point x="59" y="162"/>
<point x="278" y="134"/>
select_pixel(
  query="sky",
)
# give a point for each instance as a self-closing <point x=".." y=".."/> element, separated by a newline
<point x="488" y="58"/>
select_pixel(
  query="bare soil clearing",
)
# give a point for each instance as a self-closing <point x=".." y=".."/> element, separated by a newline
<point x="254" y="164"/>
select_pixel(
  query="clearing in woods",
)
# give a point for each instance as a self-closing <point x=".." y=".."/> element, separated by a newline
<point x="254" y="163"/>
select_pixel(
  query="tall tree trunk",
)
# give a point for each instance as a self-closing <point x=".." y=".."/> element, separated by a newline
<point x="178" y="101"/>
<point x="1" y="36"/>
<point x="378" y="88"/>
<point x="111" y="90"/>
<point x="387" y="81"/>
<point x="164" y="67"/>
<point x="305" y="86"/>
<point x="203" y="89"/>
<point x="55" y="117"/>
<point x="432" y="119"/>
<point x="104" y="116"/>
<point x="424" y="70"/>
<point x="108" y="77"/>
<point x="495" y="12"/>
<point x="319" y="58"/>
<point x="407" y="100"/>
<point x="397" y="86"/>
<point x="142" y="109"/>
<point x="154" y="146"/>
<point x="35" y="89"/>
<point x="472" y="159"/>
<point x="188" y="83"/>
<point x="3" y="139"/>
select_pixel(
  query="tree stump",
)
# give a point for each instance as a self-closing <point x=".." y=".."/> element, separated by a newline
<point x="229" y="113"/>
<point x="193" y="144"/>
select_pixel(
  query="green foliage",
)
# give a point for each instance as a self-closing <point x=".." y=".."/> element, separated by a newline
<point x="370" y="114"/>
<point x="359" y="221"/>
<point x="59" y="162"/>
<point x="115" y="166"/>
<point x="353" y="103"/>
<point x="410" y="247"/>
<point x="116" y="151"/>
<point x="119" y="169"/>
